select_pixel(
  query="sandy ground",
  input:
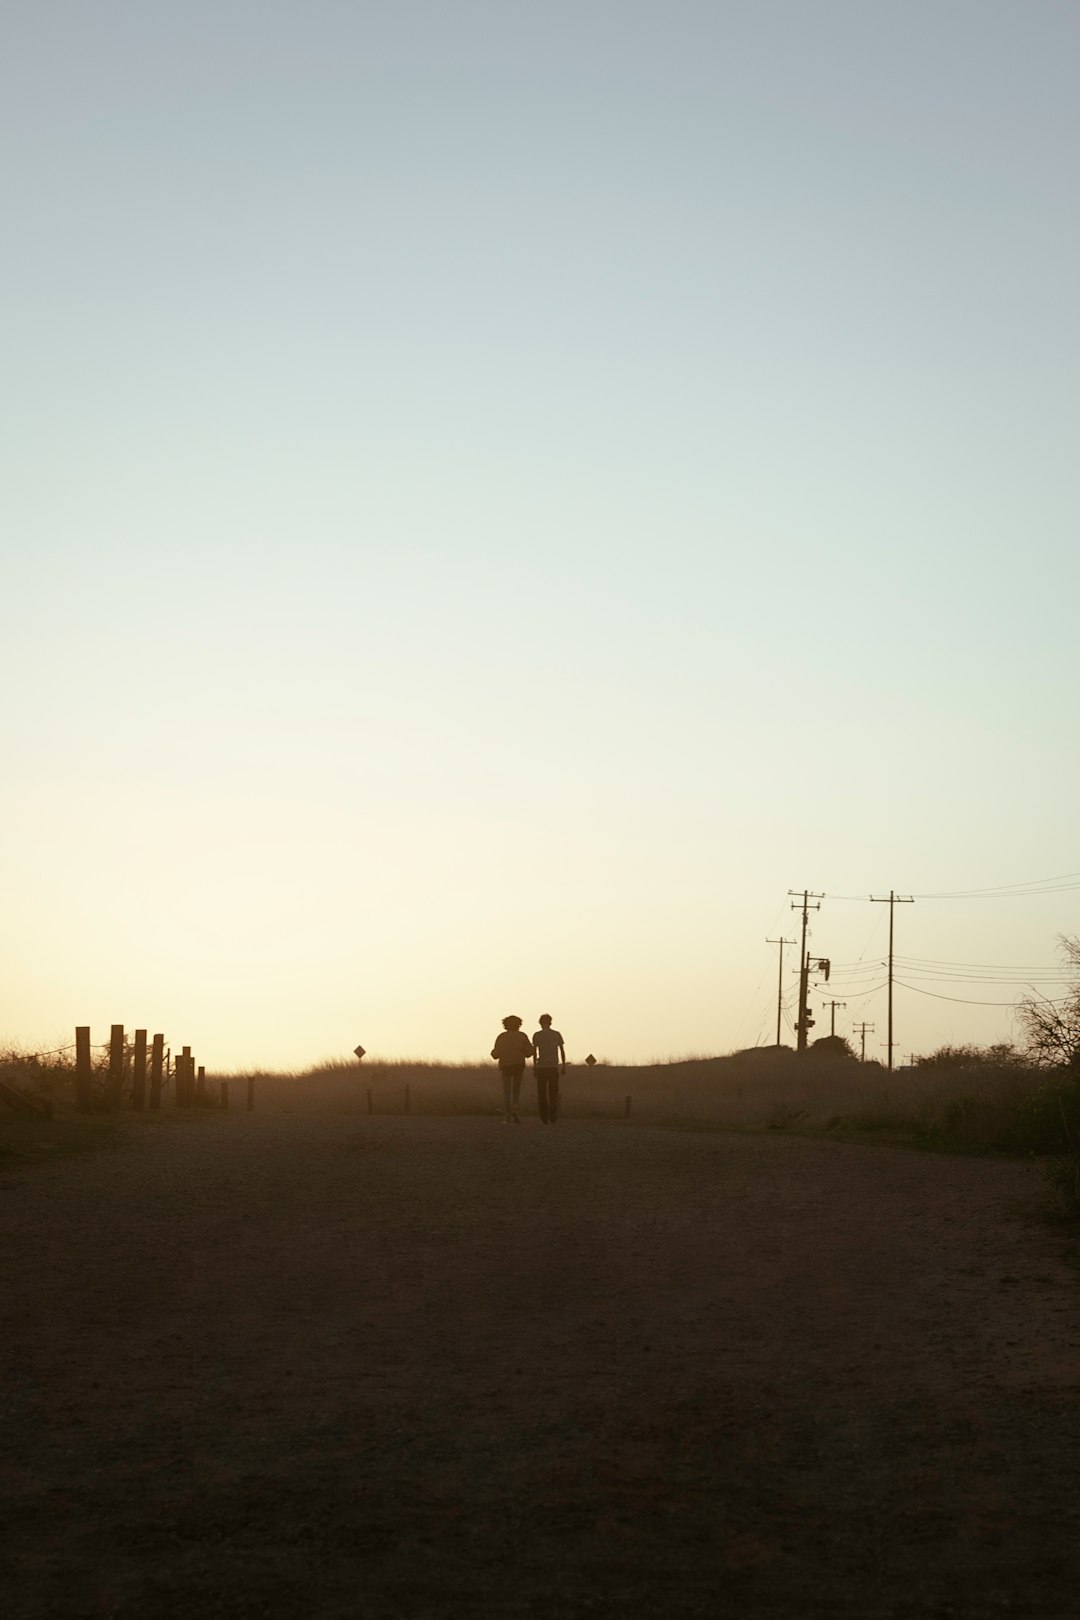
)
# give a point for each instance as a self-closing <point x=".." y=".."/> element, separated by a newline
<point x="316" y="1365"/>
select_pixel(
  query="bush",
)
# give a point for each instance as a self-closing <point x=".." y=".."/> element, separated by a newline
<point x="983" y="1058"/>
<point x="831" y="1046"/>
<point x="1048" y="1121"/>
<point x="1063" y="1174"/>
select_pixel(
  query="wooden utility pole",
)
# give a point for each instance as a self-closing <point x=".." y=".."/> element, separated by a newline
<point x="832" y="1006"/>
<point x="892" y="900"/>
<point x="84" y="1079"/>
<point x="861" y="1030"/>
<point x="811" y="901"/>
<point x="157" y="1056"/>
<point x="138" y="1071"/>
<point x="116" y="1065"/>
<point x="780" y="983"/>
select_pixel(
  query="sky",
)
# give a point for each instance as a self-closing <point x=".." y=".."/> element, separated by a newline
<point x="495" y="493"/>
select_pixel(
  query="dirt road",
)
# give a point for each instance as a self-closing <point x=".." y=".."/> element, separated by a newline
<point x="314" y="1365"/>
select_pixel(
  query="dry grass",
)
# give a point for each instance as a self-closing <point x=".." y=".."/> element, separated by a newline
<point x="985" y="1102"/>
<point x="758" y="1089"/>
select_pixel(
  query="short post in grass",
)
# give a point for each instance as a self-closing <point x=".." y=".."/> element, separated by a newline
<point x="200" y="1087"/>
<point x="138" y="1070"/>
<point x="251" y="1094"/>
<point x="225" y="1095"/>
<point x="408" y="1100"/>
<point x="626" y="1111"/>
<point x="115" y="1089"/>
<point x="370" y="1101"/>
<point x="157" y="1063"/>
<point x="84" y="1080"/>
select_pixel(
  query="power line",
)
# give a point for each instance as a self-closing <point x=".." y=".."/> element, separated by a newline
<point x="1068" y="880"/>
<point x="1065" y="883"/>
<point x="999" y="967"/>
<point x="859" y="995"/>
<point x="974" y="976"/>
<point x="967" y="1001"/>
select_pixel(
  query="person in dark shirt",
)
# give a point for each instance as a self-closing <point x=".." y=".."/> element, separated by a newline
<point x="511" y="1051"/>
<point x="549" y="1061"/>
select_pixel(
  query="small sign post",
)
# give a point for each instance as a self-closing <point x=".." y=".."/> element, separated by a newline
<point x="358" y="1052"/>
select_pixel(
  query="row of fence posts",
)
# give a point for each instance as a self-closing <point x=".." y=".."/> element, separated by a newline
<point x="149" y="1074"/>
<point x="190" y="1086"/>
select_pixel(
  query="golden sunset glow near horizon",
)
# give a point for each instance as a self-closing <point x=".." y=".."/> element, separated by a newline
<point x="496" y="496"/>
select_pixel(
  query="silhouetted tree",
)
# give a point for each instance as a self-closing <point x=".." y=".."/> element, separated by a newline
<point x="1052" y="1026"/>
<point x="1002" y="1055"/>
<point x="831" y="1046"/>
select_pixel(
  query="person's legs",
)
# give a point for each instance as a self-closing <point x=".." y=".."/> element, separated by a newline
<point x="542" y="1095"/>
<point x="517" y="1074"/>
<point x="553" y="1095"/>
<point x="506" y="1095"/>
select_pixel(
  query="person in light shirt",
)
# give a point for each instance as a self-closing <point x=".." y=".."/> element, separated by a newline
<point x="549" y="1062"/>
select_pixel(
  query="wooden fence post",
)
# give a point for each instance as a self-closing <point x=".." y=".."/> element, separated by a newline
<point x="84" y="1081"/>
<point x="627" y="1113"/>
<point x="200" y="1086"/>
<point x="225" y="1095"/>
<point x="138" y="1071"/>
<point x="251" y="1094"/>
<point x="116" y="1065"/>
<point x="370" y="1101"/>
<point x="183" y="1078"/>
<point x="157" y="1053"/>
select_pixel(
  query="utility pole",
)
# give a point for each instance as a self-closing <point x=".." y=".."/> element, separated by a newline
<point x="811" y="901"/>
<point x="780" y="984"/>
<point x="892" y="900"/>
<point x="861" y="1030"/>
<point x="832" y="1006"/>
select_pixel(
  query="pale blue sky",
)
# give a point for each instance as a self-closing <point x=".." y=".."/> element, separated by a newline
<point x="494" y="494"/>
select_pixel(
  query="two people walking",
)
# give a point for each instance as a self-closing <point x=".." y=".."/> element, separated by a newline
<point x="513" y="1049"/>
